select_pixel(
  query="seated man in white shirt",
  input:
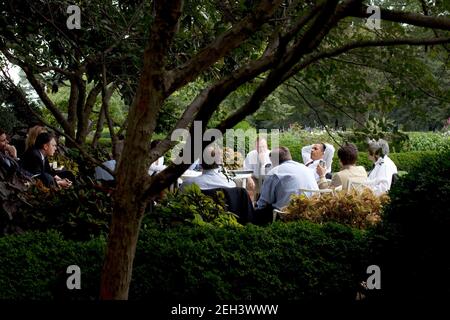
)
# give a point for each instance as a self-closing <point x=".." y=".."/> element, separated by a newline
<point x="384" y="167"/>
<point x="211" y="177"/>
<point x="155" y="167"/>
<point x="158" y="165"/>
<point x="313" y="154"/>
<point x="256" y="160"/>
<point x="282" y="181"/>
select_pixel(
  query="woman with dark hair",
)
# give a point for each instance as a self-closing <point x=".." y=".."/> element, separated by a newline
<point x="347" y="154"/>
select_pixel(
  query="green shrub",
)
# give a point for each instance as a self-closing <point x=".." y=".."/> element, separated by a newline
<point x="283" y="261"/>
<point x="80" y="212"/>
<point x="405" y="161"/>
<point x="411" y="246"/>
<point x="426" y="141"/>
<point x="191" y="206"/>
<point x="33" y="266"/>
<point x="355" y="209"/>
<point x="295" y="261"/>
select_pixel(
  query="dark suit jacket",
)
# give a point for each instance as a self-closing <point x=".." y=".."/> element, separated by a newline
<point x="237" y="201"/>
<point x="33" y="163"/>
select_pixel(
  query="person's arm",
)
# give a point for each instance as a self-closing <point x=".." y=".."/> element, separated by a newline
<point x="268" y="191"/>
<point x="306" y="154"/>
<point x="335" y="181"/>
<point x="322" y="183"/>
<point x="328" y="155"/>
<point x="11" y="151"/>
<point x="381" y="180"/>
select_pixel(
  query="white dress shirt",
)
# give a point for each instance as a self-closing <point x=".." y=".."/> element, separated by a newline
<point x="210" y="179"/>
<point x="257" y="163"/>
<point x="101" y="174"/>
<point x="327" y="157"/>
<point x="283" y="181"/>
<point x="382" y="175"/>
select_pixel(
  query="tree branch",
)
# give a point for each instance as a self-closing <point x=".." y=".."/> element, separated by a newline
<point x="223" y="44"/>
<point x="415" y="19"/>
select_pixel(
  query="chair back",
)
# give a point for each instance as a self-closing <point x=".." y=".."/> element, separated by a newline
<point x="311" y="192"/>
<point x="360" y="185"/>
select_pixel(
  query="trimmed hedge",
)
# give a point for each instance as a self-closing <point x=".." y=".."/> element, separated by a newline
<point x="405" y="161"/>
<point x="295" y="261"/>
<point x="411" y="246"/>
<point x="33" y="266"/>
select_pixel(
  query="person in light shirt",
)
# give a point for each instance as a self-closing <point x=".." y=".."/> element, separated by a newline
<point x="384" y="167"/>
<point x="257" y="160"/>
<point x="348" y="155"/>
<point x="313" y="154"/>
<point x="212" y="176"/>
<point x="155" y="167"/>
<point x="283" y="180"/>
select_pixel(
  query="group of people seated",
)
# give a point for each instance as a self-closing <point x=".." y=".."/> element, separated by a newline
<point x="34" y="163"/>
<point x="279" y="177"/>
<point x="275" y="176"/>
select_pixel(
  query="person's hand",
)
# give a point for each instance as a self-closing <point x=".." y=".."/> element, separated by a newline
<point x="250" y="184"/>
<point x="321" y="171"/>
<point x="64" y="183"/>
<point x="11" y="150"/>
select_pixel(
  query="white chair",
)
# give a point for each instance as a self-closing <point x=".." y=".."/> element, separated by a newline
<point x="319" y="191"/>
<point x="360" y="185"/>
<point x="276" y="213"/>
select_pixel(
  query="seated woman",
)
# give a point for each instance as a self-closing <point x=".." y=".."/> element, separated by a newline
<point x="212" y="177"/>
<point x="32" y="134"/>
<point x="384" y="167"/>
<point x="347" y="154"/>
<point x="35" y="162"/>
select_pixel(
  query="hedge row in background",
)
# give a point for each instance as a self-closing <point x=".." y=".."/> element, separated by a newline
<point x="405" y="161"/>
<point x="294" y="261"/>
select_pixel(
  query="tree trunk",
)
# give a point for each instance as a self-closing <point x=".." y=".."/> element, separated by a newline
<point x="123" y="236"/>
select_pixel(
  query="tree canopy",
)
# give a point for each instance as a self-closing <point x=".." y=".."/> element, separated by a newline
<point x="176" y="62"/>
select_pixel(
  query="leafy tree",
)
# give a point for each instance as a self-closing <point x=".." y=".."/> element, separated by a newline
<point x="227" y="45"/>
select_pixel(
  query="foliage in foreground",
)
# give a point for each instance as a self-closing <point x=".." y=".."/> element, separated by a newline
<point x="295" y="261"/>
<point x="191" y="207"/>
<point x="411" y="245"/>
<point x="355" y="209"/>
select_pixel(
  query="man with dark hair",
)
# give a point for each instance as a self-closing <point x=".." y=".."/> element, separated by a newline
<point x="35" y="161"/>
<point x="284" y="180"/>
<point x="316" y="154"/>
<point x="348" y="154"/>
<point x="5" y="147"/>
<point x="211" y="176"/>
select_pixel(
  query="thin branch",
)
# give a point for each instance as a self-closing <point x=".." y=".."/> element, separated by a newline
<point x="340" y="109"/>
<point x="221" y="46"/>
<point x="315" y="111"/>
<point x="415" y="19"/>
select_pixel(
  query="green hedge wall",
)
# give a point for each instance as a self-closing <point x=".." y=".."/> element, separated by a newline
<point x="292" y="261"/>
<point x="411" y="246"/>
<point x="33" y="266"/>
<point x="405" y="161"/>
